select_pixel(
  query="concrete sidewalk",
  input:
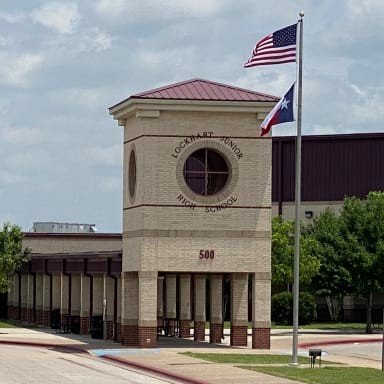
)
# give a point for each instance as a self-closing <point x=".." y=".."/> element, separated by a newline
<point x="166" y="361"/>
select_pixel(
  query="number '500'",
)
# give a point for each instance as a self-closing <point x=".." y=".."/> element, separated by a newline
<point x="206" y="254"/>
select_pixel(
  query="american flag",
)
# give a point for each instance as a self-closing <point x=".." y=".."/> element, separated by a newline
<point x="276" y="48"/>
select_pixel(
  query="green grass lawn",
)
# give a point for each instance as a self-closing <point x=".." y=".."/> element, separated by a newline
<point x="325" y="375"/>
<point x="7" y="324"/>
<point x="240" y="358"/>
<point x="334" y="326"/>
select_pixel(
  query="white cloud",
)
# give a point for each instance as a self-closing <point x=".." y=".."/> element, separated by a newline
<point x="94" y="40"/>
<point x="101" y="41"/>
<point x="176" y="57"/>
<point x="112" y="8"/>
<point x="15" y="69"/>
<point x="369" y="110"/>
<point x="104" y="155"/>
<point x="87" y="98"/>
<point x="9" y="178"/>
<point x="363" y="8"/>
<point x="267" y="81"/>
<point x="191" y="8"/>
<point x="4" y="41"/>
<point x="24" y="136"/>
<point x="111" y="184"/>
<point x="123" y="10"/>
<point x="12" y="18"/>
<point x="61" y="17"/>
<point x="324" y="129"/>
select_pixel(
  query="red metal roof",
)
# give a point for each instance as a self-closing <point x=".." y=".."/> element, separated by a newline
<point x="199" y="89"/>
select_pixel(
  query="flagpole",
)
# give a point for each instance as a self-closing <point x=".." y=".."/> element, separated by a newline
<point x="296" y="260"/>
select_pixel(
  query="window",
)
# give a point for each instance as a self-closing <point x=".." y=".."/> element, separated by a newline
<point x="206" y="172"/>
<point x="132" y="174"/>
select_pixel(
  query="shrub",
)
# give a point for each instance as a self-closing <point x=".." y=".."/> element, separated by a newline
<point x="281" y="311"/>
<point x="282" y="308"/>
<point x="307" y="308"/>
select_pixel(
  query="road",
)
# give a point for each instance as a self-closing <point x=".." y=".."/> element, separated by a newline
<point x="26" y="365"/>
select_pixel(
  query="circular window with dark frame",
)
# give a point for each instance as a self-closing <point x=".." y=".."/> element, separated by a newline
<point x="206" y="172"/>
<point x="132" y="174"/>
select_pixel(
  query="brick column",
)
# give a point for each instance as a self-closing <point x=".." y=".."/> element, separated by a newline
<point x="97" y="300"/>
<point x="129" y="308"/>
<point x="216" y="306"/>
<point x="46" y="301"/>
<point x="118" y="330"/>
<point x="75" y="296"/>
<point x="239" y="309"/>
<point x="147" y="324"/>
<point x="24" y="296"/>
<point x="39" y="299"/>
<point x="56" y="291"/>
<point x="16" y="297"/>
<point x="200" y="315"/>
<point x="75" y="322"/>
<point x="109" y="296"/>
<point x="64" y="298"/>
<point x="30" y="298"/>
<point x="85" y="284"/>
<point x="118" y="320"/>
<point x="10" y="303"/>
<point x="261" y="310"/>
<point x="160" y="300"/>
<point x="170" y="309"/>
<point x="98" y="291"/>
<point x="185" y="305"/>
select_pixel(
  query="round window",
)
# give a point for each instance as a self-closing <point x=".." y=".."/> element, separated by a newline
<point x="206" y="172"/>
<point x="132" y="174"/>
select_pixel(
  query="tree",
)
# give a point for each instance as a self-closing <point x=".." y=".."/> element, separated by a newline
<point x="283" y="254"/>
<point x="363" y="222"/>
<point x="12" y="253"/>
<point x="333" y="280"/>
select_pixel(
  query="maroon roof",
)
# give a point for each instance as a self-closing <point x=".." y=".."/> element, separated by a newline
<point x="199" y="89"/>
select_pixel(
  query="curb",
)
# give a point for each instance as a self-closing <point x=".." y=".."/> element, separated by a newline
<point x="335" y="342"/>
<point x="158" y="371"/>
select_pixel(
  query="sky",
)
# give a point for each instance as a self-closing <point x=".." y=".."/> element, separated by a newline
<point x="63" y="63"/>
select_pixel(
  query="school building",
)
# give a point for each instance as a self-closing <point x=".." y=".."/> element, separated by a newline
<point x="197" y="204"/>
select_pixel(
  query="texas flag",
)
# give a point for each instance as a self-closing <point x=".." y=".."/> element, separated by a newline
<point x="281" y="113"/>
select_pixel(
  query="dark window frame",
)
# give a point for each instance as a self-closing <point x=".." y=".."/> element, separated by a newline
<point x="213" y="174"/>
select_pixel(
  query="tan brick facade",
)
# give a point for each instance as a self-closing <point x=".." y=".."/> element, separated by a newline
<point x="169" y="229"/>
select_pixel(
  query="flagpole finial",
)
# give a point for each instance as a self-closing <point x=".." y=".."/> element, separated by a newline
<point x="301" y="14"/>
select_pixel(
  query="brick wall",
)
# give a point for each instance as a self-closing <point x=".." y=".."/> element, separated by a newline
<point x="118" y="332"/>
<point x="109" y="329"/>
<point x="11" y="312"/>
<point x="84" y="325"/>
<point x="215" y="333"/>
<point x="239" y="337"/>
<point x="199" y="331"/>
<point x="261" y="338"/>
<point x="129" y="335"/>
<point x="147" y="337"/>
<point x="46" y="318"/>
<point x="184" y="328"/>
<point x="30" y="315"/>
<point x="39" y="317"/>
